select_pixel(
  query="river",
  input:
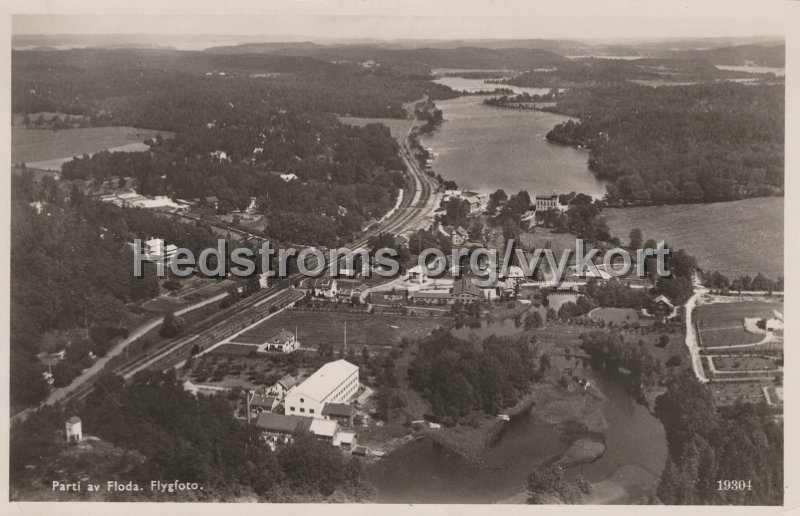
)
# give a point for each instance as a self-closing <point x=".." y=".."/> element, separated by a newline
<point x="484" y="148"/>
<point x="425" y="472"/>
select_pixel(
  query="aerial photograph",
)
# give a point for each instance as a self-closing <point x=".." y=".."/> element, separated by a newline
<point x="398" y="259"/>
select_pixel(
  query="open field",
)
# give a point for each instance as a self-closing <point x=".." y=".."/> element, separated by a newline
<point x="40" y="148"/>
<point x="615" y="315"/>
<point x="722" y="324"/>
<point x="397" y="126"/>
<point x="315" y="328"/>
<point x="735" y="238"/>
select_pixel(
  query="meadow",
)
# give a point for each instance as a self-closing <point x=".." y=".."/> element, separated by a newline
<point x="735" y="238"/>
<point x="315" y="328"/>
<point x="42" y="148"/>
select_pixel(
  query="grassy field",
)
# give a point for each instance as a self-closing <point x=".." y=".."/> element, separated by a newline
<point x="397" y="126"/>
<point x="33" y="146"/>
<point x="615" y="315"/>
<point x="722" y="324"/>
<point x="315" y="328"/>
<point x="735" y="238"/>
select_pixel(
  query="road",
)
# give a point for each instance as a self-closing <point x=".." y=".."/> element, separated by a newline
<point x="416" y="206"/>
<point x="691" y="334"/>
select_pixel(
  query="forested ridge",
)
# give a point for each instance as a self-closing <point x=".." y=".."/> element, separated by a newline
<point x="698" y="143"/>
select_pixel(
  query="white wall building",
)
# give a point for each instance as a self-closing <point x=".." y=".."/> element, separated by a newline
<point x="74" y="430"/>
<point x="335" y="382"/>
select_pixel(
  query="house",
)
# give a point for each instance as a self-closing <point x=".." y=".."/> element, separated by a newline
<point x="350" y="291"/>
<point x="325" y="430"/>
<point x="466" y="291"/>
<point x="346" y="440"/>
<point x="280" y="425"/>
<point x="74" y="431"/>
<point x="320" y="287"/>
<point x="155" y="249"/>
<point x="283" y="342"/>
<point x="549" y="202"/>
<point x="459" y="236"/>
<point x="258" y="403"/>
<point x="284" y="386"/>
<point x="341" y="412"/>
<point x="661" y="306"/>
<point x="334" y="382"/>
<point x="288" y="177"/>
<point x="475" y="204"/>
<point x="417" y="274"/>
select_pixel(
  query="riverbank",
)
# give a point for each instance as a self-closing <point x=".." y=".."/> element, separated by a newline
<point x="471" y="441"/>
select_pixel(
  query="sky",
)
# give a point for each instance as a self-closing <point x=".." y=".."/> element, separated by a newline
<point x="410" y="19"/>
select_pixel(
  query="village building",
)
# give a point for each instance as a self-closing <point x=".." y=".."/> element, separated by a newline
<point x="283" y="342"/>
<point x="549" y="202"/>
<point x="325" y="430"/>
<point x="347" y="440"/>
<point x="282" y="426"/>
<point x="74" y="430"/>
<point x="334" y="382"/>
<point x="320" y="287"/>
<point x="284" y="386"/>
<point x="661" y="306"/>
<point x="341" y="412"/>
<point x="464" y="290"/>
<point x="288" y="177"/>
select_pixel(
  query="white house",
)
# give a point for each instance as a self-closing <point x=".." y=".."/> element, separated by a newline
<point x="283" y="342"/>
<point x="288" y="177"/>
<point x="335" y="382"/>
<point x="155" y="248"/>
<point x="548" y="202"/>
<point x="74" y="431"/>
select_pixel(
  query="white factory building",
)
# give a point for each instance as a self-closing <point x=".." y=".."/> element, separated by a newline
<point x="335" y="382"/>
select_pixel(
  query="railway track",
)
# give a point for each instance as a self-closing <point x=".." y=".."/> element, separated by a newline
<point x="413" y="210"/>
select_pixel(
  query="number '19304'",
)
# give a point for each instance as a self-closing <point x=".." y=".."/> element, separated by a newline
<point x="734" y="485"/>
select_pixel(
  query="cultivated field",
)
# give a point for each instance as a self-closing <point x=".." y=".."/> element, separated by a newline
<point x="729" y="393"/>
<point x="735" y="238"/>
<point x="41" y="148"/>
<point x="744" y="363"/>
<point x="315" y="328"/>
<point x="722" y="324"/>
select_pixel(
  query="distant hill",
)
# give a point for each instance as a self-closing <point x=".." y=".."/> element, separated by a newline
<point x="412" y="59"/>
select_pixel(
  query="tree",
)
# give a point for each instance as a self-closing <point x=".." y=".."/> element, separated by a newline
<point x="636" y="238"/>
<point x="171" y="326"/>
<point x="533" y="320"/>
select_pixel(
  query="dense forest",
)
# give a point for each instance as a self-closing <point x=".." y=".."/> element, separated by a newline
<point x="71" y="270"/>
<point x="700" y="143"/>
<point x="707" y="444"/>
<point x="458" y="377"/>
<point x="174" y="91"/>
<point x="176" y="435"/>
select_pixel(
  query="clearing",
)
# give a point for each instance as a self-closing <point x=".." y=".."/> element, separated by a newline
<point x="47" y="149"/>
<point x="735" y="238"/>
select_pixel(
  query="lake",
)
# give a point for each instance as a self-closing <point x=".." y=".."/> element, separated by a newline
<point x="779" y="72"/>
<point x="472" y="85"/>
<point x="425" y="472"/>
<point x="484" y="148"/>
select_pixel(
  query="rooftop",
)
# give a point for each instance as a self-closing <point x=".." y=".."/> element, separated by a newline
<point x="326" y="378"/>
<point x="337" y="410"/>
<point x="324" y="427"/>
<point x="272" y="422"/>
